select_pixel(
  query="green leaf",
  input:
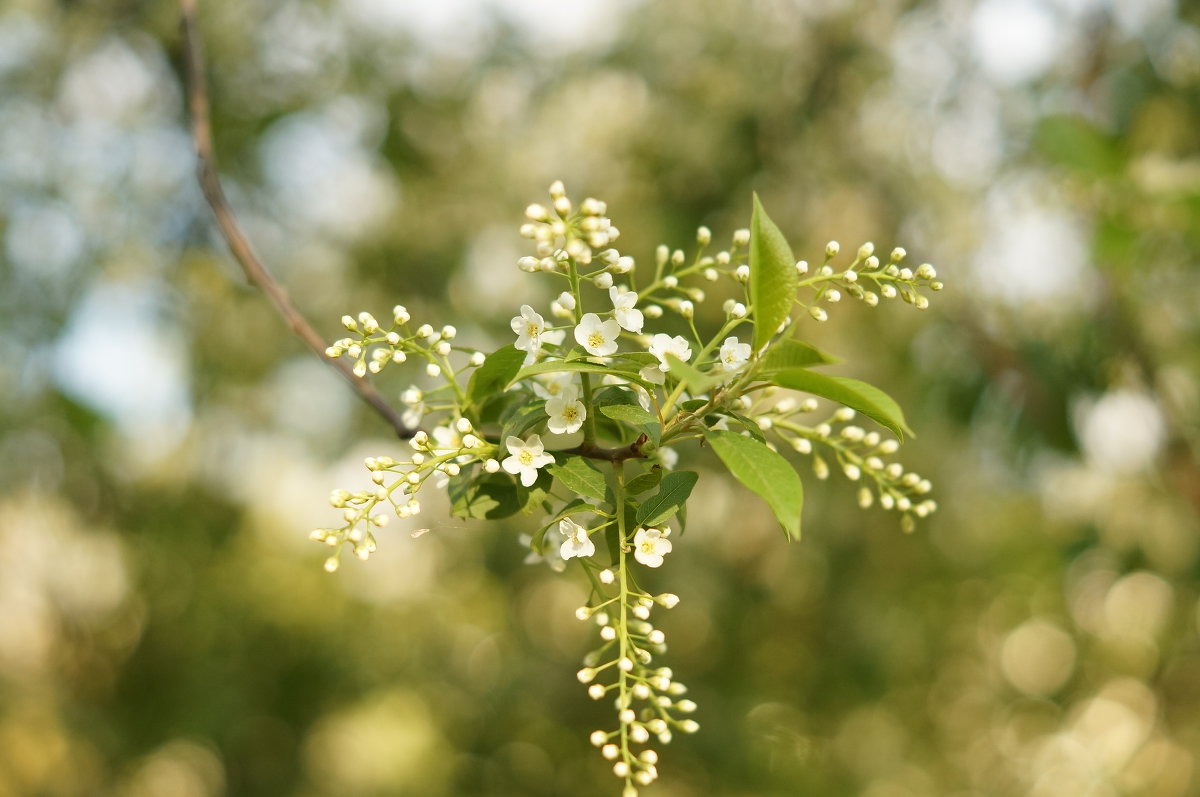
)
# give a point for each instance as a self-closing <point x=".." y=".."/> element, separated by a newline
<point x="694" y="380"/>
<point x="766" y="473"/>
<point x="581" y="477"/>
<point x="671" y="495"/>
<point x="575" y="366"/>
<point x="522" y="420"/>
<point x="489" y="497"/>
<point x="855" y="394"/>
<point x="495" y="373"/>
<point x="789" y="353"/>
<point x="630" y="413"/>
<point x="645" y="481"/>
<point x="531" y="497"/>
<point x="773" y="277"/>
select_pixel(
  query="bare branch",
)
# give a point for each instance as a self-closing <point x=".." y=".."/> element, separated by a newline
<point x="254" y="269"/>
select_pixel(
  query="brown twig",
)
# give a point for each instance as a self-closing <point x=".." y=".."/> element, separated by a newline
<point x="254" y="269"/>
<point x="615" y="455"/>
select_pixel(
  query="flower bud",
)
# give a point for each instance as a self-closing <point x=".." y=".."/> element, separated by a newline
<point x="741" y="237"/>
<point x="832" y="248"/>
<point x="866" y="250"/>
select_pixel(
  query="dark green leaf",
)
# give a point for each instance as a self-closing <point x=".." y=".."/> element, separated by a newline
<point x="531" y="497"/>
<point x="773" y="277"/>
<point x="855" y="394"/>
<point x="645" y="481"/>
<point x="671" y="495"/>
<point x="581" y="477"/>
<point x="488" y="497"/>
<point x="630" y="413"/>
<point x="522" y="420"/>
<point x="789" y="353"/>
<point x="766" y="473"/>
<point x="495" y="373"/>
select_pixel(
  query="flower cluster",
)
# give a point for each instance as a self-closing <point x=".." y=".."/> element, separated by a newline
<point x="581" y="417"/>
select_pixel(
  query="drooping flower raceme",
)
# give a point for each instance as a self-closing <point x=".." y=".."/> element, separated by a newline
<point x="650" y="546"/>
<point x="598" y="337"/>
<point x="733" y="355"/>
<point x="526" y="457"/>
<point x="566" y="412"/>
<point x="624" y="309"/>
<point x="576" y="542"/>
<point x="529" y="326"/>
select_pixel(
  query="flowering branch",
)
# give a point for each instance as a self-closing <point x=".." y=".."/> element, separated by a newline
<point x="239" y="245"/>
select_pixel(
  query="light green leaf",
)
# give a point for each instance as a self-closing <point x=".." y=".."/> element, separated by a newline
<point x="488" y="497"/>
<point x="853" y="393"/>
<point x="773" y="277"/>
<point x="695" y="380"/>
<point x="496" y="372"/>
<point x="766" y="473"/>
<point x="581" y="477"/>
<point x="630" y="413"/>
<point x="671" y="495"/>
<point x="790" y="353"/>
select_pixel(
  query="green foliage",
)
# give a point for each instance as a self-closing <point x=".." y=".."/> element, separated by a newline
<point x="773" y="279"/>
<point x="765" y="473"/>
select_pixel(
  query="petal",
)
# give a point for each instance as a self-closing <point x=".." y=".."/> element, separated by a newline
<point x="534" y="444"/>
<point x="528" y="477"/>
<point x="514" y="444"/>
<point x="512" y="465"/>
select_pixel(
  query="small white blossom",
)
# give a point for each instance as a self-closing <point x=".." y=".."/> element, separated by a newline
<point x="734" y="354"/>
<point x="650" y="546"/>
<point x="576" y="541"/>
<point x="551" y="557"/>
<point x="529" y="326"/>
<point x="547" y="386"/>
<point x="566" y="412"/>
<point x="598" y="337"/>
<point x="526" y="457"/>
<point x="661" y="345"/>
<point x="627" y="315"/>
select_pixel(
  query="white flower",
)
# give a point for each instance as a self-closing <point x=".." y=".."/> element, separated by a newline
<point x="598" y="337"/>
<point x="650" y="546"/>
<point x="529" y="327"/>
<point x="661" y="345"/>
<point x="526" y="457"/>
<point x="576" y="542"/>
<point x="556" y="562"/>
<point x="414" y="402"/>
<point x="566" y="412"/>
<point x="627" y="315"/>
<point x="547" y="386"/>
<point x="734" y="354"/>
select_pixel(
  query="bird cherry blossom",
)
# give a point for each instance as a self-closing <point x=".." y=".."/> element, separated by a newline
<point x="660" y="346"/>
<point x="733" y="355"/>
<point x="526" y="457"/>
<point x="596" y="336"/>
<point x="566" y="412"/>
<point x="529" y="326"/>
<point x="576" y="542"/>
<point x="624" y="310"/>
<point x="650" y="546"/>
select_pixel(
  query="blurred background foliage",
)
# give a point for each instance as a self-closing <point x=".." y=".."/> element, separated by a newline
<point x="165" y="445"/>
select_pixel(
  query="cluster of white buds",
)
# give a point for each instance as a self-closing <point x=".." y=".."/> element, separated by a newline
<point x="441" y="456"/>
<point x="648" y="700"/>
<point x="865" y="279"/>
<point x="375" y="348"/>
<point x="858" y="453"/>
<point x="560" y="232"/>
